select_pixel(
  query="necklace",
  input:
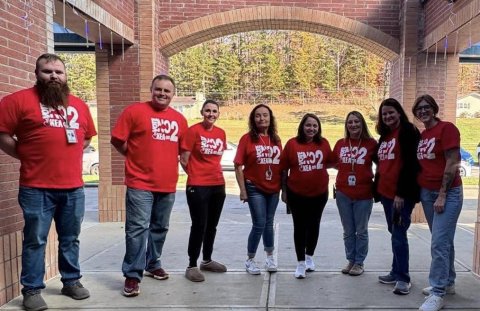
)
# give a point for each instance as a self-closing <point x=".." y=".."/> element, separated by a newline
<point x="268" y="172"/>
<point x="352" y="155"/>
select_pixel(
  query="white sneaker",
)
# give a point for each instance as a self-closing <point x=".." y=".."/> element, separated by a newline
<point x="300" y="272"/>
<point x="309" y="263"/>
<point x="432" y="303"/>
<point x="270" y="264"/>
<point x="251" y="266"/>
<point x="450" y="290"/>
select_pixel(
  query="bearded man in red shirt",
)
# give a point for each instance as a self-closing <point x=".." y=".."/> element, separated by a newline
<point x="47" y="128"/>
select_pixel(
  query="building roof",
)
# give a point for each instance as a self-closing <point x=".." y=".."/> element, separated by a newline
<point x="473" y="94"/>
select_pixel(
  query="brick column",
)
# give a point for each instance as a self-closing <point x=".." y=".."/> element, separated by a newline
<point x="438" y="77"/>
<point x="123" y="78"/>
<point x="403" y="79"/>
<point x="110" y="197"/>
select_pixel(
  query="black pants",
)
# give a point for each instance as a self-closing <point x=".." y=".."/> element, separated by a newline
<point x="205" y="204"/>
<point x="306" y="213"/>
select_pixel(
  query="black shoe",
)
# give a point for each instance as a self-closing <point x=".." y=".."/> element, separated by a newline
<point x="387" y="279"/>
<point x="33" y="300"/>
<point x="75" y="291"/>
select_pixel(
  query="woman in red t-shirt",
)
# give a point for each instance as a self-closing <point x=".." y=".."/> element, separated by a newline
<point x="441" y="196"/>
<point x="305" y="159"/>
<point x="202" y="151"/>
<point x="353" y="158"/>
<point x="397" y="186"/>
<point x="257" y="169"/>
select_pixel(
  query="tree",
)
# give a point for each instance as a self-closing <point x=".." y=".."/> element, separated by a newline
<point x="226" y="71"/>
<point x="304" y="63"/>
<point x="81" y="71"/>
<point x="272" y="63"/>
<point x="192" y="69"/>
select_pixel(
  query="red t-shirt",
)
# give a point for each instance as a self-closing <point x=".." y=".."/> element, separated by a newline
<point x="206" y="147"/>
<point x="354" y="163"/>
<point x="257" y="158"/>
<point x="431" y="154"/>
<point x="307" y="164"/>
<point x="153" y="144"/>
<point x="47" y="159"/>
<point x="389" y="164"/>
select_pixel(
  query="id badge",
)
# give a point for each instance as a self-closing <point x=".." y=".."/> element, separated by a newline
<point x="268" y="174"/>
<point x="352" y="180"/>
<point x="71" y="135"/>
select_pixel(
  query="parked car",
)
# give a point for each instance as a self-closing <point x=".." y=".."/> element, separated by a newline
<point x="228" y="156"/>
<point x="466" y="163"/>
<point x="90" y="161"/>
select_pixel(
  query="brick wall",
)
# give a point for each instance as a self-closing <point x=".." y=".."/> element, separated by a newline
<point x="23" y="37"/>
<point x="121" y="9"/>
<point x="439" y="11"/>
<point x="117" y="87"/>
<point x="120" y="82"/>
<point x="439" y="80"/>
<point x="21" y="42"/>
<point x="380" y="14"/>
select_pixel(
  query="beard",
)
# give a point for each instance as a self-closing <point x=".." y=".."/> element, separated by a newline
<point x="53" y="94"/>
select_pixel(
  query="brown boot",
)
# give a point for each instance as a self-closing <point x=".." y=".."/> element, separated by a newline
<point x="194" y="274"/>
<point x="347" y="268"/>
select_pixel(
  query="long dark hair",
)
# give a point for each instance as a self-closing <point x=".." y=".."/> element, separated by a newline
<point x="301" y="137"/>
<point x="365" y="132"/>
<point x="382" y="128"/>
<point x="272" y="128"/>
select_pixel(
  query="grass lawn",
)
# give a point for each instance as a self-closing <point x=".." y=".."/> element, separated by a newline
<point x="470" y="134"/>
<point x="332" y="118"/>
<point x="90" y="179"/>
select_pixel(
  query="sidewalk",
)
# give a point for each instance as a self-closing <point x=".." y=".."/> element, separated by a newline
<point x="102" y="250"/>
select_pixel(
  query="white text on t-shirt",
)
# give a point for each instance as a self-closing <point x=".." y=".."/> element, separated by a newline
<point x="211" y="146"/>
<point x="267" y="154"/>
<point x="355" y="155"/>
<point x="310" y="160"/>
<point x="58" y="117"/>
<point x="425" y="148"/>
<point x="385" y="151"/>
<point x="164" y="129"/>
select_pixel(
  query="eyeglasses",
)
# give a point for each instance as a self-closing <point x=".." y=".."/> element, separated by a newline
<point x="424" y="108"/>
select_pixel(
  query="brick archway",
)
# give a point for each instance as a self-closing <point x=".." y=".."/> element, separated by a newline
<point x="221" y="24"/>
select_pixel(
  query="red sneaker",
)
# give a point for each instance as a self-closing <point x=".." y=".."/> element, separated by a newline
<point x="158" y="274"/>
<point x="131" y="288"/>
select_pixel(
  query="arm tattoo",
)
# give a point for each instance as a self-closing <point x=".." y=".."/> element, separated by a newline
<point x="447" y="181"/>
<point x="451" y="167"/>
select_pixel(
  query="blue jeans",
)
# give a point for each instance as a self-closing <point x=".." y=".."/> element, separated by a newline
<point x="354" y="215"/>
<point x="442" y="226"/>
<point x="146" y="227"/>
<point x="262" y="208"/>
<point x="40" y="206"/>
<point x="398" y="224"/>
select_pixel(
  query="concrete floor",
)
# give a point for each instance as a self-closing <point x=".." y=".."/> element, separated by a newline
<point x="102" y="250"/>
